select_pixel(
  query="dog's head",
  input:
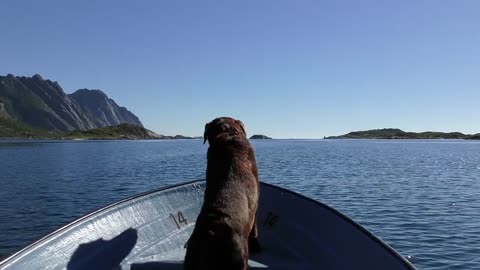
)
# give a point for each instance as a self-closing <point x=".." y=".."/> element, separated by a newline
<point x="223" y="125"/>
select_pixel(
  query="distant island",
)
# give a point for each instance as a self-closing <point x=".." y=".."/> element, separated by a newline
<point x="393" y="133"/>
<point x="260" y="137"/>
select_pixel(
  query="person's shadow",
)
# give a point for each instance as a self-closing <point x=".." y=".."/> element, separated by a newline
<point x="166" y="266"/>
<point x="108" y="254"/>
<point x="157" y="266"/>
<point x="103" y="254"/>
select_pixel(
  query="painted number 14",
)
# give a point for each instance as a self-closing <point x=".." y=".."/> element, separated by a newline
<point x="179" y="219"/>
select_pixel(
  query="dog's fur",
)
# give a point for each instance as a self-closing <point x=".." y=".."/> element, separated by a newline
<point x="226" y="228"/>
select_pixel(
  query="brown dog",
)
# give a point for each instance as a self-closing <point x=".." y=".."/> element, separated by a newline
<point x="226" y="227"/>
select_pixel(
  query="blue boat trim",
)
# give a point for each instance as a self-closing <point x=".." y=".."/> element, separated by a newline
<point x="351" y="221"/>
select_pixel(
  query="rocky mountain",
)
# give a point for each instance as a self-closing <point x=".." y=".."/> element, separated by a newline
<point x="102" y="110"/>
<point x="43" y="104"/>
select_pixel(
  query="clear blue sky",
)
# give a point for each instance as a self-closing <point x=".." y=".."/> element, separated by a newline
<point x="288" y="69"/>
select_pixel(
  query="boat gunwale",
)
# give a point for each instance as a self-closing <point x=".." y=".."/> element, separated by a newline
<point x="24" y="251"/>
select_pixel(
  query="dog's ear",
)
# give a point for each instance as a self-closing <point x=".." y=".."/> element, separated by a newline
<point x="241" y="126"/>
<point x="205" y="136"/>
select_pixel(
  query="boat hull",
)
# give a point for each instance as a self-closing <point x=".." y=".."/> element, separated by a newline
<point x="149" y="231"/>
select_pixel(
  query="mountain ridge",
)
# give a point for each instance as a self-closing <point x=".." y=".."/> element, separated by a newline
<point x="43" y="104"/>
<point x="103" y="109"/>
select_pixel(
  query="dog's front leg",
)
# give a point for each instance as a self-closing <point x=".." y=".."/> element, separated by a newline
<point x="253" y="243"/>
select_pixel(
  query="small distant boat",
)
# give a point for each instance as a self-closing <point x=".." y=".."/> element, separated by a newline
<point x="149" y="231"/>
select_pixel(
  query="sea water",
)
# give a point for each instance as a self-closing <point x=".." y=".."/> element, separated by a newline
<point x="421" y="197"/>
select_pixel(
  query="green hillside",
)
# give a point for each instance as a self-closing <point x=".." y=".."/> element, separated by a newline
<point x="393" y="133"/>
<point x="10" y="128"/>
<point x="122" y="131"/>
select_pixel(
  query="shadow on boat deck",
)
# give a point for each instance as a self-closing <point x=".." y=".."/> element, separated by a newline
<point x="108" y="254"/>
<point x="166" y="266"/>
<point x="104" y="254"/>
<point x="157" y="266"/>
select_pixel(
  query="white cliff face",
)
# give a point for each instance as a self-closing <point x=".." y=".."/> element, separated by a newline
<point x="103" y="110"/>
<point x="109" y="112"/>
<point x="3" y="111"/>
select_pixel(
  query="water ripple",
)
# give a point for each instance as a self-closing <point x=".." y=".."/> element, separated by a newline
<point x="421" y="197"/>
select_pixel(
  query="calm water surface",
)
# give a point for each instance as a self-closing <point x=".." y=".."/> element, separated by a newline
<point x="421" y="197"/>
